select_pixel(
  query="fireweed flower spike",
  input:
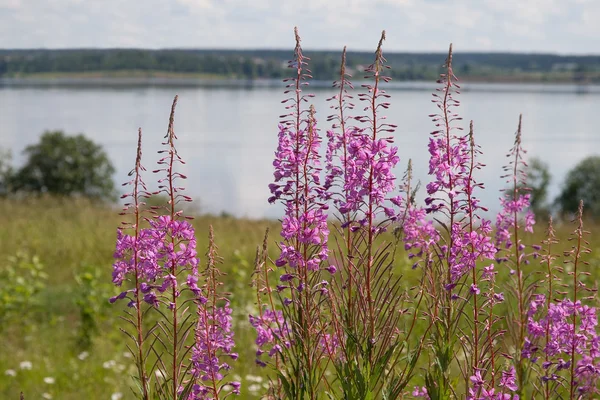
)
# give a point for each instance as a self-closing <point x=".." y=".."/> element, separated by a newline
<point x="162" y="261"/>
<point x="156" y="255"/>
<point x="272" y="333"/>
<point x="515" y="202"/>
<point x="453" y="203"/>
<point x="297" y="177"/>
<point x="129" y="263"/>
<point x="213" y="335"/>
<point x="540" y="303"/>
<point x="479" y="247"/>
<point x="515" y="216"/>
<point x="370" y="320"/>
<point x="337" y="167"/>
<point x="176" y="251"/>
<point x="452" y="193"/>
<point x="371" y="179"/>
<point x="304" y="228"/>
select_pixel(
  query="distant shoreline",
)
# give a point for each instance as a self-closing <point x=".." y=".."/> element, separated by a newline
<point x="124" y="80"/>
<point x="135" y="75"/>
<point x="127" y="67"/>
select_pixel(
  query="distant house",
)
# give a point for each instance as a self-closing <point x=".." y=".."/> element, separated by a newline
<point x="564" y="67"/>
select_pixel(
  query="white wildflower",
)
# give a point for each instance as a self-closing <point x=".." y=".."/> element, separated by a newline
<point x="116" y="396"/>
<point x="25" y="365"/>
<point x="254" y="378"/>
<point x="10" y="372"/>
<point x="49" y="380"/>
<point x="254" y="388"/>
<point x="47" y="396"/>
<point x="109" y="364"/>
<point x="83" y="355"/>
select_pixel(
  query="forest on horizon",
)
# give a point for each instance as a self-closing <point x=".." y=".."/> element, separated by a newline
<point x="271" y="64"/>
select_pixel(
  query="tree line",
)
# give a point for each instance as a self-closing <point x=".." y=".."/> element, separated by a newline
<point x="271" y="64"/>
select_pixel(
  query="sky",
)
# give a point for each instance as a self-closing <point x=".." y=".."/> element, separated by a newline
<point x="541" y="26"/>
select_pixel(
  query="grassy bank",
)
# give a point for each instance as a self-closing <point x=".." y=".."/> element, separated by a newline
<point x="124" y="74"/>
<point x="66" y="344"/>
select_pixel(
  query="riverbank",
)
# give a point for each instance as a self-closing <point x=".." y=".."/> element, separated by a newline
<point x="125" y="76"/>
<point x="123" y="79"/>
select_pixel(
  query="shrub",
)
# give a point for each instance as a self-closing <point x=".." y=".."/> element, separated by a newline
<point x="22" y="277"/>
<point x="582" y="183"/>
<point x="65" y="165"/>
<point x="90" y="298"/>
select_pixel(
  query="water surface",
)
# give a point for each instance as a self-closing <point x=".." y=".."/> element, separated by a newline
<point x="227" y="135"/>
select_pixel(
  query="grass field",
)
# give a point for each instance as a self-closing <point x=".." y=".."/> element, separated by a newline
<point x="76" y="238"/>
<point x="65" y="343"/>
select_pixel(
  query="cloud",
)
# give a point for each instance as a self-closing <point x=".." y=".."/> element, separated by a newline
<point x="10" y="4"/>
<point x="565" y="26"/>
<point x="484" y="41"/>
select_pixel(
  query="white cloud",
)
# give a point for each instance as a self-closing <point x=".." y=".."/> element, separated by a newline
<point x="197" y="4"/>
<point x="413" y="25"/>
<point x="10" y="4"/>
<point x="484" y="41"/>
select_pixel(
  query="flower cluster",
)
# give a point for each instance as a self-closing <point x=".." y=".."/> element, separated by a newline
<point x="364" y="174"/>
<point x="213" y="334"/>
<point x="370" y="176"/>
<point x="452" y="163"/>
<point x="467" y="247"/>
<point x="297" y="184"/>
<point x="419" y="233"/>
<point x="214" y="338"/>
<point x="479" y="389"/>
<point x="449" y="156"/>
<point x="167" y="244"/>
<point x="506" y="220"/>
<point x="554" y="333"/>
<point x="420" y="393"/>
<point x="272" y="333"/>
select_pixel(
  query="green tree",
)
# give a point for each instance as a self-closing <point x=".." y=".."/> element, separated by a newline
<point x="538" y="180"/>
<point x="582" y="183"/>
<point x="5" y="171"/>
<point x="66" y="165"/>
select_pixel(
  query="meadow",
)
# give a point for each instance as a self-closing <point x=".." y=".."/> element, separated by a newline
<point x="74" y="241"/>
<point x="74" y="238"/>
<point x="358" y="293"/>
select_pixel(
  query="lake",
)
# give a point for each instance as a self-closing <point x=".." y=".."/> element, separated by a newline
<point x="227" y="135"/>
